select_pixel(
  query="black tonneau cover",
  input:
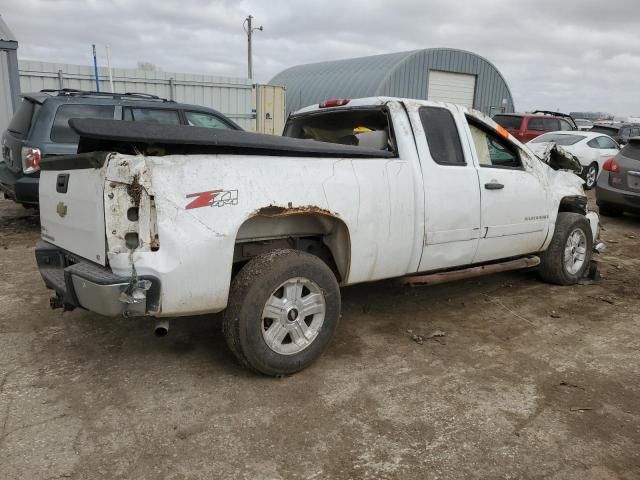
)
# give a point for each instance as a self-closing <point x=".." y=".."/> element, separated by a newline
<point x="157" y="139"/>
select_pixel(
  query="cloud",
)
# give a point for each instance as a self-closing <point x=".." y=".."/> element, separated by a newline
<point x="571" y="55"/>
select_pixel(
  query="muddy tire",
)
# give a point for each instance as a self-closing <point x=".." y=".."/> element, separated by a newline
<point x="568" y="257"/>
<point x="590" y="176"/>
<point x="608" y="210"/>
<point x="283" y="310"/>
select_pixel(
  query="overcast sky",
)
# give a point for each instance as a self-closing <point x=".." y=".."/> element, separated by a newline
<point x="570" y="55"/>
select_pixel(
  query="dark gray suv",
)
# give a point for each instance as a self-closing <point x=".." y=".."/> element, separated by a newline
<point x="40" y="128"/>
<point x="618" y="187"/>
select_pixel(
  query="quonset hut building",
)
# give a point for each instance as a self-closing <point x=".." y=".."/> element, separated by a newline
<point x="440" y="74"/>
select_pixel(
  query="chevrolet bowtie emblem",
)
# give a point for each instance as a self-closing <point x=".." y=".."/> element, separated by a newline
<point x="61" y="209"/>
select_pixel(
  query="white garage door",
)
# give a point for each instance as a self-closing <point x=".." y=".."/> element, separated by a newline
<point x="451" y="87"/>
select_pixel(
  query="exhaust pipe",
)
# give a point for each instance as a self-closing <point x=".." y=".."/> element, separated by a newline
<point x="162" y="328"/>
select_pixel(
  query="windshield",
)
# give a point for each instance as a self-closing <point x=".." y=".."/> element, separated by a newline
<point x="508" y="121"/>
<point x="559" y="138"/>
<point x="364" y="127"/>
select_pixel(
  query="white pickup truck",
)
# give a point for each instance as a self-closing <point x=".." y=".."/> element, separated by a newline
<point x="169" y="221"/>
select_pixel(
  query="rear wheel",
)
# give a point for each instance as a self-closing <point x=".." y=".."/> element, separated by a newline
<point x="568" y="257"/>
<point x="590" y="176"/>
<point x="283" y="310"/>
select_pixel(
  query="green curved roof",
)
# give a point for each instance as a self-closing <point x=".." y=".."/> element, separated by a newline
<point x="403" y="74"/>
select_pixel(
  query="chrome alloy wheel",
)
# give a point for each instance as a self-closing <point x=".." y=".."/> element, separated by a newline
<point x="592" y="172"/>
<point x="575" y="251"/>
<point x="293" y="316"/>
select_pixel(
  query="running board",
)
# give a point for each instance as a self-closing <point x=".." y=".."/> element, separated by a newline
<point x="443" y="277"/>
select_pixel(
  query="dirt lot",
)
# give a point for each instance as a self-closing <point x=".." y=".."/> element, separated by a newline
<point x="530" y="381"/>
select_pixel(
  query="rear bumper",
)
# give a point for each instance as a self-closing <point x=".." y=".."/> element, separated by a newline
<point x="80" y="283"/>
<point x="608" y="195"/>
<point x="20" y="188"/>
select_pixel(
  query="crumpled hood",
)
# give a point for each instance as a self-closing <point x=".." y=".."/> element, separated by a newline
<point x="555" y="156"/>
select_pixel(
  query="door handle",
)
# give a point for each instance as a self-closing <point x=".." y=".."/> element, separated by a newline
<point x="62" y="183"/>
<point x="493" y="186"/>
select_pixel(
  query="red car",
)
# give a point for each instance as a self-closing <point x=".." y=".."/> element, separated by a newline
<point x="527" y="126"/>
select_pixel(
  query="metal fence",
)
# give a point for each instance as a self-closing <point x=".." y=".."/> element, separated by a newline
<point x="234" y="97"/>
<point x="6" y="105"/>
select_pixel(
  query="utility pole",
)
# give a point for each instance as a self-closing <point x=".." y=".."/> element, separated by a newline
<point x="248" y="28"/>
<point x="95" y="68"/>
<point x="109" y="68"/>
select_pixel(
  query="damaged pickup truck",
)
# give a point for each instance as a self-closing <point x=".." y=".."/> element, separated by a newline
<point x="170" y="221"/>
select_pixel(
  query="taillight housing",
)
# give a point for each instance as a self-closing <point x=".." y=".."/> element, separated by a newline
<point x="334" y="102"/>
<point x="30" y="159"/>
<point x="611" y="166"/>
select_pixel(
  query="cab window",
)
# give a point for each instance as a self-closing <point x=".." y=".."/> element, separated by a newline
<point x="364" y="127"/>
<point x="442" y="135"/>
<point x="494" y="151"/>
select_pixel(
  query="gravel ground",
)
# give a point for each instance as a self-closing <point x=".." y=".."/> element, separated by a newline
<point x="529" y="381"/>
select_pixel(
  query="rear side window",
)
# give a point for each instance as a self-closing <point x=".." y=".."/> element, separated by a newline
<point x="61" y="131"/>
<point x="442" y="136"/>
<point x="559" y="138"/>
<point x="564" y="125"/>
<point x="21" y="121"/>
<point x="543" y="124"/>
<point x="535" y="124"/>
<point x="151" y="115"/>
<point x="508" y="121"/>
<point x="206" y="120"/>
<point x="604" y="143"/>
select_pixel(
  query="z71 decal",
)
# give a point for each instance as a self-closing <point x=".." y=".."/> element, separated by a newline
<point x="213" y="198"/>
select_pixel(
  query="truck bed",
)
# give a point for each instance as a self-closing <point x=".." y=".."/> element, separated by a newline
<point x="133" y="137"/>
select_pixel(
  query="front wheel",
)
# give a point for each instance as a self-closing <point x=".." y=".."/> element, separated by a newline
<point x="284" y="307"/>
<point x="567" y="259"/>
<point x="590" y="176"/>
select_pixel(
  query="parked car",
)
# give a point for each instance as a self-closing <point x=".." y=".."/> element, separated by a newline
<point x="584" y="124"/>
<point x="621" y="133"/>
<point x="267" y="228"/>
<point x="527" y="126"/>
<point x="591" y="150"/>
<point x="39" y="129"/>
<point x="618" y="187"/>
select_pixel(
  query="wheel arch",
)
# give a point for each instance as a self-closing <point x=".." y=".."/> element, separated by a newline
<point x="277" y="227"/>
<point x="573" y="204"/>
